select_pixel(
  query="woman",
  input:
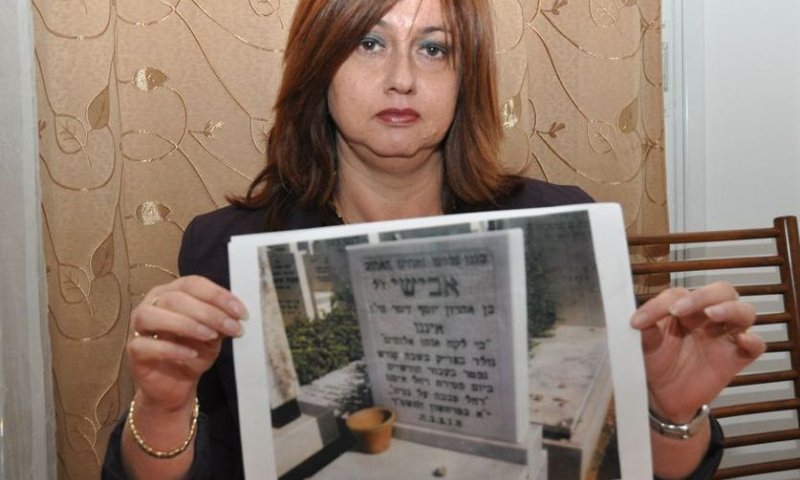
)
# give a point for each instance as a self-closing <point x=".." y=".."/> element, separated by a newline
<point x="387" y="110"/>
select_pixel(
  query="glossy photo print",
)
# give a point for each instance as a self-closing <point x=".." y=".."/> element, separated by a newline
<point x="472" y="346"/>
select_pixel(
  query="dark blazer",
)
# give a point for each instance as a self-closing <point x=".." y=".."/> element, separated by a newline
<point x="218" y="451"/>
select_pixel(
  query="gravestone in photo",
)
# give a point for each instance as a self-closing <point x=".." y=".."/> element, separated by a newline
<point x="443" y="324"/>
<point x="297" y="435"/>
<point x="444" y="333"/>
<point x="294" y="296"/>
<point x="284" y="386"/>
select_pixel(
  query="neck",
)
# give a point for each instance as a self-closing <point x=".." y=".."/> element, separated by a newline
<point x="366" y="195"/>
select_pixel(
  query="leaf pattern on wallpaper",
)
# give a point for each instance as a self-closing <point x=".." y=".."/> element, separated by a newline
<point x="555" y="128"/>
<point x="149" y="78"/>
<point x="265" y="7"/>
<point x="98" y="110"/>
<point x="70" y="134"/>
<point x="511" y="112"/>
<point x="108" y="407"/>
<point x="151" y="213"/>
<point x="601" y="136"/>
<point x="74" y="283"/>
<point x="81" y="433"/>
<point x="103" y="257"/>
<point x="557" y="6"/>
<point x="259" y="132"/>
<point x="605" y="13"/>
<point x="629" y="117"/>
<point x="211" y="126"/>
<point x="146" y="146"/>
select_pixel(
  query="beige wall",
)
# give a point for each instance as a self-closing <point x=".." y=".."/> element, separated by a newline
<point x="150" y="114"/>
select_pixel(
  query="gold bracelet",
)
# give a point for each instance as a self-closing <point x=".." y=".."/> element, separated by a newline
<point x="170" y="453"/>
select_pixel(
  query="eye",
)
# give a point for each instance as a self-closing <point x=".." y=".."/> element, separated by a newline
<point x="434" y="50"/>
<point x="370" y="44"/>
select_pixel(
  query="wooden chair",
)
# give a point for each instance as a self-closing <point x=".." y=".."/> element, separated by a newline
<point x="784" y="260"/>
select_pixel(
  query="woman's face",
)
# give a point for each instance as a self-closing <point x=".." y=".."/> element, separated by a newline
<point x="394" y="98"/>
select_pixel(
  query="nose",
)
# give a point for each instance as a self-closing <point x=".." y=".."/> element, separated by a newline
<point x="401" y="75"/>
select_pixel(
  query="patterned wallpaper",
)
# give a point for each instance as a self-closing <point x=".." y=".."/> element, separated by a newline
<point x="151" y="111"/>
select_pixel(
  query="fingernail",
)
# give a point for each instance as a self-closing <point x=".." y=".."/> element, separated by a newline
<point x="206" y="332"/>
<point x="232" y="327"/>
<point x="681" y="307"/>
<point x="715" y="311"/>
<point x="239" y="309"/>
<point x="639" y="319"/>
<point x="745" y="337"/>
<point x="187" y="353"/>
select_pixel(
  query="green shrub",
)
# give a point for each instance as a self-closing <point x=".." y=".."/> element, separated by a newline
<point x="330" y="343"/>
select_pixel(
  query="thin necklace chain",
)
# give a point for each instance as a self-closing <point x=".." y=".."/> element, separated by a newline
<point x="337" y="212"/>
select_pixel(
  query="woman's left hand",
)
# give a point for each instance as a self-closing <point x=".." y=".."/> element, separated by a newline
<point x="694" y="344"/>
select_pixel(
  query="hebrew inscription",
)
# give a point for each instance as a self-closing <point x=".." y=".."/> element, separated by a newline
<point x="438" y="318"/>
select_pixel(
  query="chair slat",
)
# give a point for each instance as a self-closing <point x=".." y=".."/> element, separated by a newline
<point x="752" y="290"/>
<point x="780" y="346"/>
<point x="759" y="407"/>
<point x="743" y="290"/>
<point x="766" y="377"/>
<point x="758" y="468"/>
<point x="764" y="437"/>
<point x="713" y="264"/>
<point x="702" y="237"/>
<point x="773" y="318"/>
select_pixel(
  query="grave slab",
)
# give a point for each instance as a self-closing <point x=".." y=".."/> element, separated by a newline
<point x="573" y="457"/>
<point x="409" y="460"/>
<point x="564" y="369"/>
<point x="519" y="453"/>
<point x="302" y="438"/>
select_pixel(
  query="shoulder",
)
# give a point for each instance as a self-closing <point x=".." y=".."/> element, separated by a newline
<point x="229" y="221"/>
<point x="532" y="193"/>
<point x="204" y="248"/>
<point x="205" y="241"/>
<point x="209" y="231"/>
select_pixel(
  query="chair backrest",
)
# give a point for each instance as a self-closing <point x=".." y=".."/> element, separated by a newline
<point x="750" y="445"/>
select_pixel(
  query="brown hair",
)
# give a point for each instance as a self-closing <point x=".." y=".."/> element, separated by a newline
<point x="301" y="148"/>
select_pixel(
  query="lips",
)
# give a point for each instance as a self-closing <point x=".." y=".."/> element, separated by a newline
<point x="398" y="116"/>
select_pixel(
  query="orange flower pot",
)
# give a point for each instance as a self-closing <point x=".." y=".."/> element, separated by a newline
<point x="372" y="428"/>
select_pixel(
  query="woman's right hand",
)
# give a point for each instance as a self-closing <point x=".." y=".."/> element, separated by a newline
<point x="179" y="329"/>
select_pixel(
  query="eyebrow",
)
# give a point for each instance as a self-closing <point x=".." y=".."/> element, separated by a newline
<point x="425" y="31"/>
<point x="434" y="30"/>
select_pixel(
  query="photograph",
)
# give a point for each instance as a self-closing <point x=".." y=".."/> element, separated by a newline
<point x="484" y="336"/>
